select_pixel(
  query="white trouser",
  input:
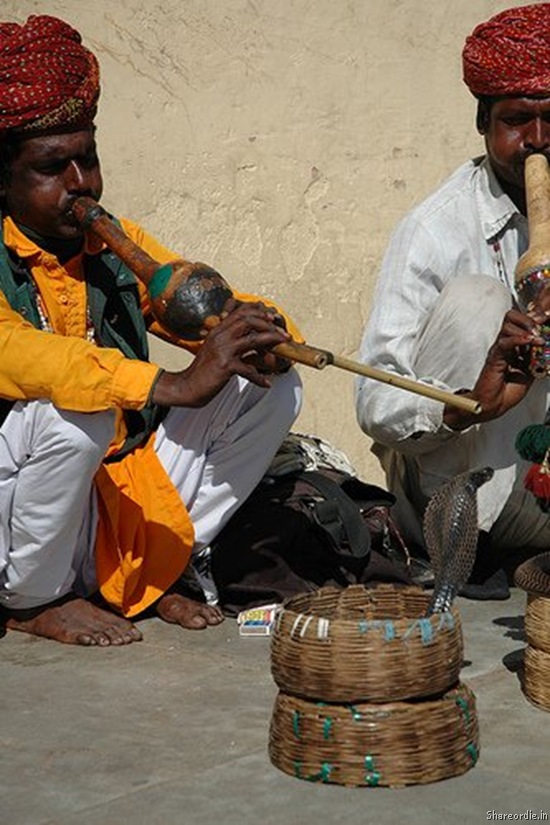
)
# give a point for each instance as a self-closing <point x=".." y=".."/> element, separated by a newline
<point x="48" y="459"/>
<point x="215" y="456"/>
<point x="452" y="347"/>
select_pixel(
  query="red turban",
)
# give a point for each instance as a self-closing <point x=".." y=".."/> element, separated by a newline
<point x="47" y="78"/>
<point x="510" y="53"/>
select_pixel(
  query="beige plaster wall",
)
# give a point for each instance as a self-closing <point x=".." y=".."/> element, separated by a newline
<point x="280" y="142"/>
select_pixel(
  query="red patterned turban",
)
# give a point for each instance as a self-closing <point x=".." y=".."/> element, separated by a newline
<point x="510" y="53"/>
<point x="47" y="78"/>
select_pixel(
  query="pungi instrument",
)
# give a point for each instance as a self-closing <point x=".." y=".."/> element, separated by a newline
<point x="532" y="278"/>
<point x="188" y="298"/>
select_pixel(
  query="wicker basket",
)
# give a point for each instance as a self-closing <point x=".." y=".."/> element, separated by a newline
<point x="393" y="744"/>
<point x="536" y="677"/>
<point x="365" y="644"/>
<point x="537" y="622"/>
<point x="532" y="576"/>
<point x="536" y="659"/>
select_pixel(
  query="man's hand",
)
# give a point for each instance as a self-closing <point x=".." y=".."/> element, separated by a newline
<point x="266" y="362"/>
<point x="505" y="378"/>
<point x="246" y="331"/>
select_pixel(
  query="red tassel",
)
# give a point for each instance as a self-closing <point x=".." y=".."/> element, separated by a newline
<point x="537" y="481"/>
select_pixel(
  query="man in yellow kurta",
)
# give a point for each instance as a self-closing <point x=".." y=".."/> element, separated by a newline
<point x="113" y="472"/>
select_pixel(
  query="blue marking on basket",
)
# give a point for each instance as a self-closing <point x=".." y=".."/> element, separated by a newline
<point x="446" y="619"/>
<point x="372" y="777"/>
<point x="296" y="724"/>
<point x="424" y="625"/>
<point x="355" y="713"/>
<point x="463" y="705"/>
<point x="386" y="625"/>
<point x="472" y="751"/>
<point x="323" y="775"/>
<point x="426" y="630"/>
<point x="389" y="631"/>
<point x="327" y="727"/>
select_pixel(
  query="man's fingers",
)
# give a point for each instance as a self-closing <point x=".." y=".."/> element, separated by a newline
<point x="248" y="370"/>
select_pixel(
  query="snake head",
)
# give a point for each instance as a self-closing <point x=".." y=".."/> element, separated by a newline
<point x="479" y="477"/>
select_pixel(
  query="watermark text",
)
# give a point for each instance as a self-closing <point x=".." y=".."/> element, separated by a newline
<point x="526" y="816"/>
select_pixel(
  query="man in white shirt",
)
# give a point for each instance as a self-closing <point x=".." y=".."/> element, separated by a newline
<point x="445" y="309"/>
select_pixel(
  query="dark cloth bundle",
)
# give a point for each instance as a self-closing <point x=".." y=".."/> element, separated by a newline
<point x="306" y="525"/>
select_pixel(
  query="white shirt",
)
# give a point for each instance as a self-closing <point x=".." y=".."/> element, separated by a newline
<point x="469" y="226"/>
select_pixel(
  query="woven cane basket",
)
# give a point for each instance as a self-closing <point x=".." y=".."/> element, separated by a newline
<point x="537" y="622"/>
<point x="365" y="644"/>
<point x="536" y="658"/>
<point x="536" y="677"/>
<point x="392" y="744"/>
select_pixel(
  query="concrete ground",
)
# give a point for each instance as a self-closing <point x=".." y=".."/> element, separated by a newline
<point x="174" y="730"/>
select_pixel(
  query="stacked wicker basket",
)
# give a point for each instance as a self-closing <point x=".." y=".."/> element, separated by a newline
<point x="369" y="690"/>
<point x="533" y="576"/>
<point x="536" y="658"/>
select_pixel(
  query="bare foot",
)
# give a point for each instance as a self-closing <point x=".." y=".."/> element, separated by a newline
<point x="178" y="609"/>
<point x="74" y="622"/>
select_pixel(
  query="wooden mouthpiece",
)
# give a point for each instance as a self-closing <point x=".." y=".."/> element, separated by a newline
<point x="185" y="296"/>
<point x="536" y="259"/>
<point x="91" y="215"/>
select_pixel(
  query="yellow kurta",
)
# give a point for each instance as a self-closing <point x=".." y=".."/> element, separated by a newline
<point x="145" y="535"/>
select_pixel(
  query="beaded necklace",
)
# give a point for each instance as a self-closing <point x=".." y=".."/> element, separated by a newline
<point x="45" y="322"/>
<point x="63" y="250"/>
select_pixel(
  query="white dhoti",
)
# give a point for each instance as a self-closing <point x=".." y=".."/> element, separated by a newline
<point x="215" y="455"/>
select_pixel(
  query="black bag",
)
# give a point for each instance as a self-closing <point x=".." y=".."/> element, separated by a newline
<point x="307" y="524"/>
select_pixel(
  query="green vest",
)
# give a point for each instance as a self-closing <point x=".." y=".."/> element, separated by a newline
<point x="113" y="300"/>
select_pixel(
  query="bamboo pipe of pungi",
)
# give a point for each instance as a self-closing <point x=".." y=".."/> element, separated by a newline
<point x="188" y="298"/>
<point x="532" y="274"/>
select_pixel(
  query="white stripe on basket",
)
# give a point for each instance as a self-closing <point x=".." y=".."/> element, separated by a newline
<point x="322" y="628"/>
<point x="296" y="624"/>
<point x="305" y="626"/>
